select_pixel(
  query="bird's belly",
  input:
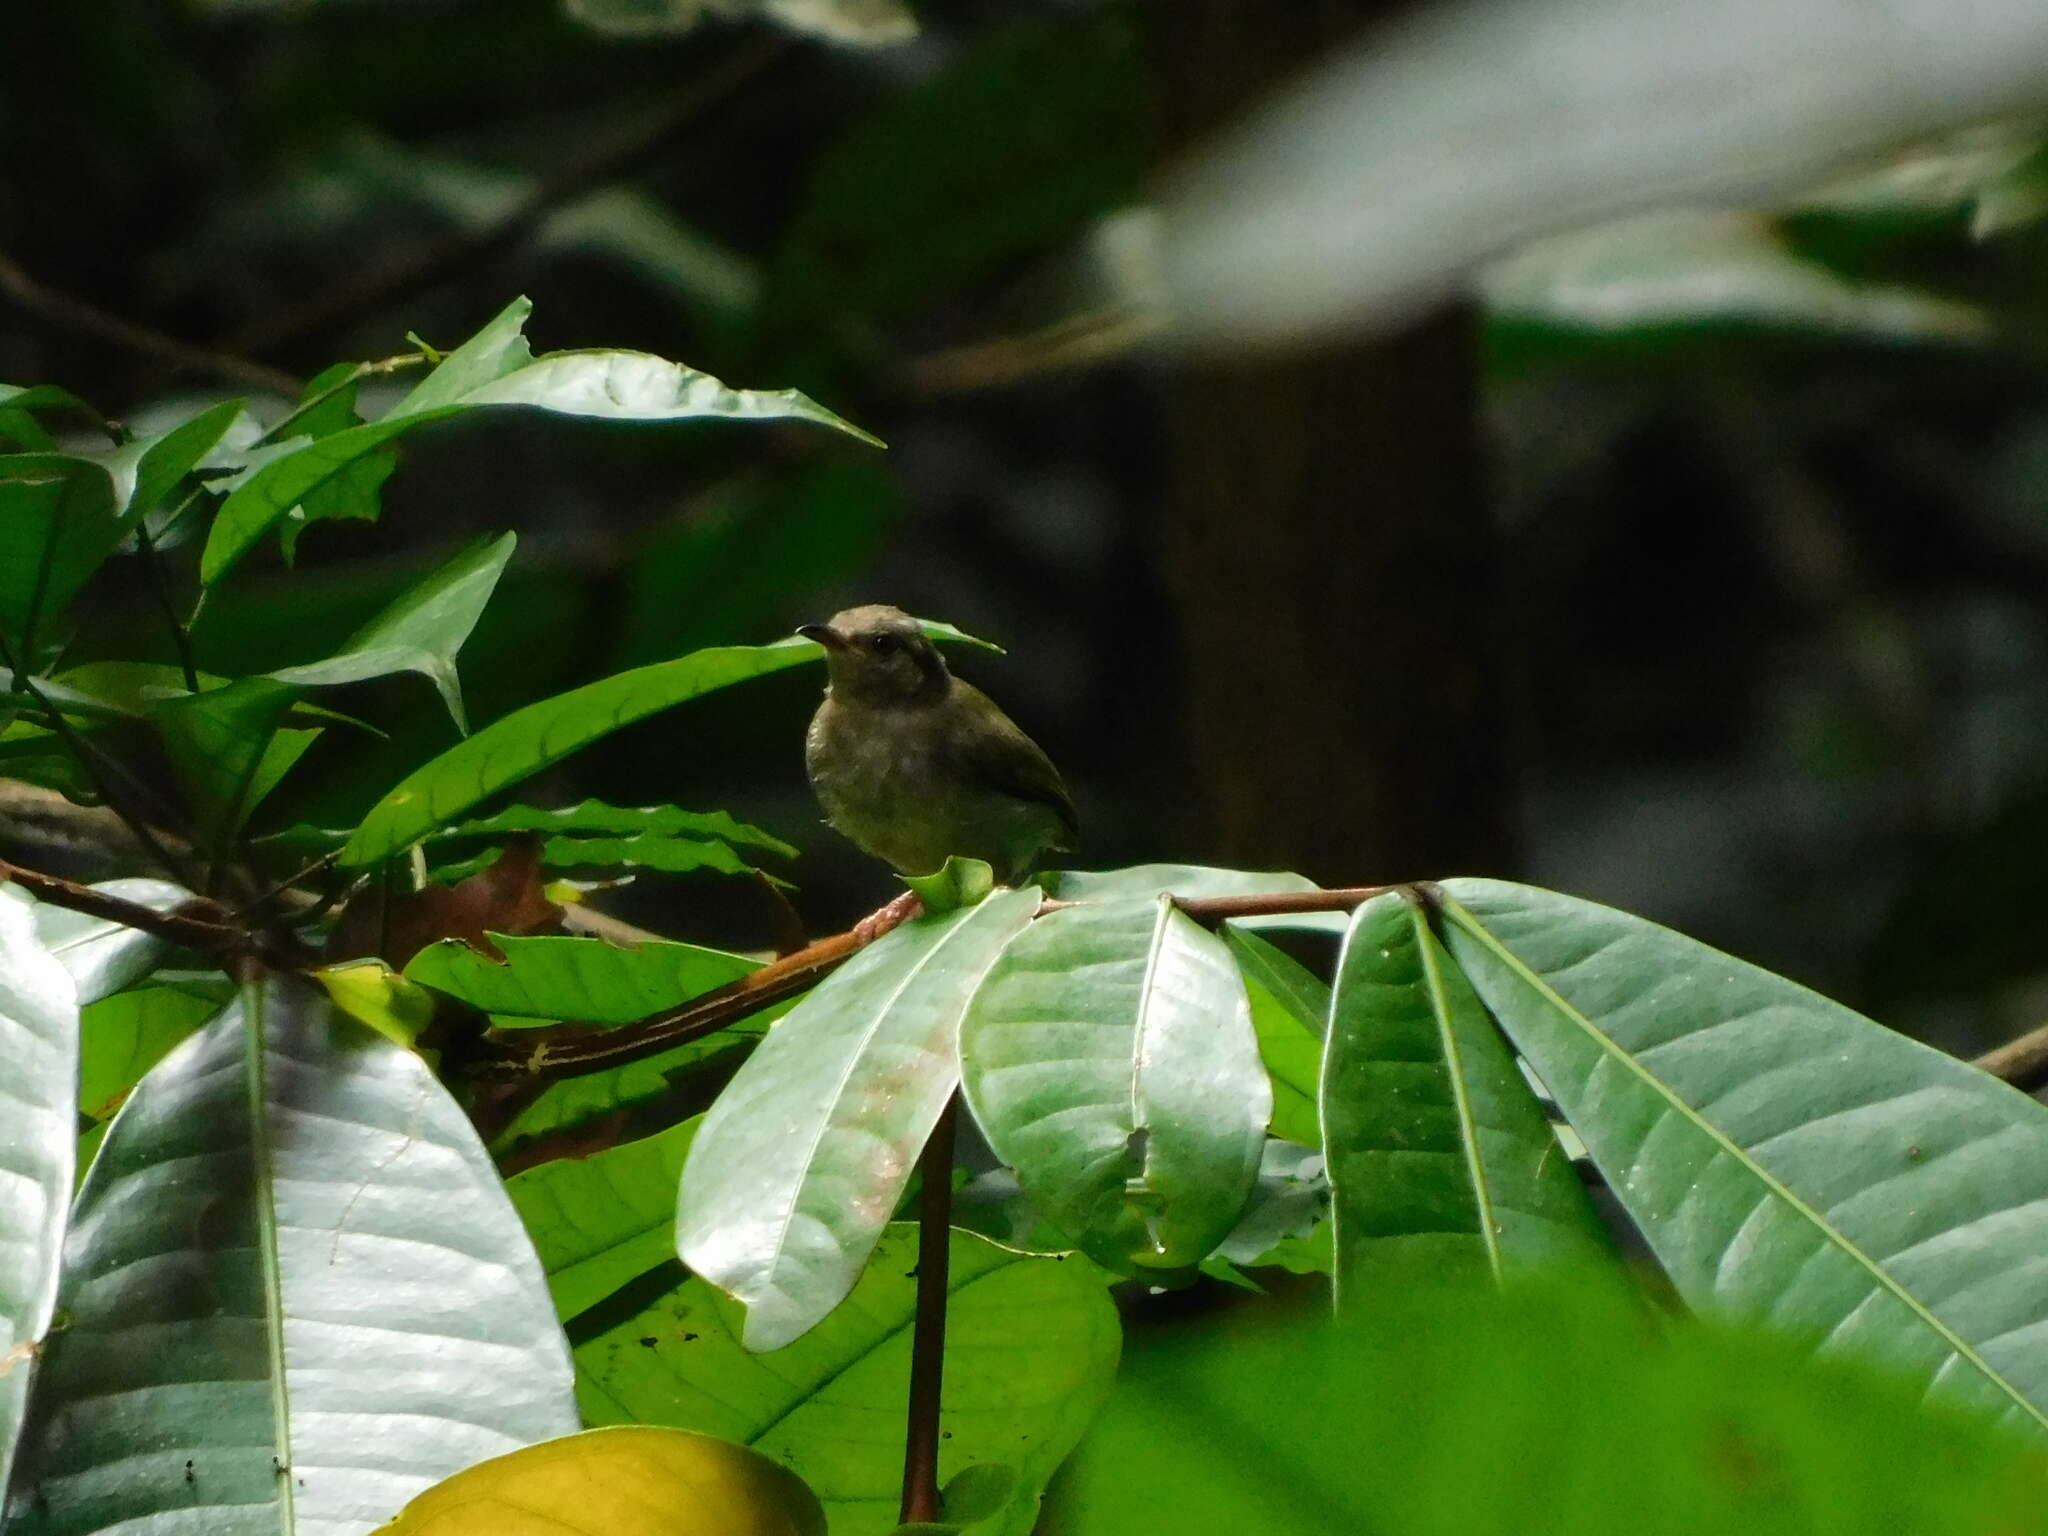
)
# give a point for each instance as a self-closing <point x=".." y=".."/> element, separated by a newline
<point x="903" y="807"/>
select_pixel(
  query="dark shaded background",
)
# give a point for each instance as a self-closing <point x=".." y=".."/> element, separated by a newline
<point x="1738" y="624"/>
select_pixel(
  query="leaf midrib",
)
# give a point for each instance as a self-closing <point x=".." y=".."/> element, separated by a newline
<point x="255" y="1047"/>
<point x="1960" y="1346"/>
<point x="863" y="1040"/>
<point x="1461" y="1098"/>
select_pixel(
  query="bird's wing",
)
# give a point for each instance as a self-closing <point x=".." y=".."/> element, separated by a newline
<point x="1001" y="756"/>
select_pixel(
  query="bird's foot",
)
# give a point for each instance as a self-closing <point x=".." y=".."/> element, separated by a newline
<point x="894" y="915"/>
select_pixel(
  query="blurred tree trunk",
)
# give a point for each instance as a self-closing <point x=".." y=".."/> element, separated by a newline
<point x="1329" y="549"/>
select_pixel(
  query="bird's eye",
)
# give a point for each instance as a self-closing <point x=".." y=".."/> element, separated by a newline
<point x="882" y="645"/>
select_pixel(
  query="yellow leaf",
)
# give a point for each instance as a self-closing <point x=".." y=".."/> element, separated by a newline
<point x="634" y="1480"/>
<point x="371" y="992"/>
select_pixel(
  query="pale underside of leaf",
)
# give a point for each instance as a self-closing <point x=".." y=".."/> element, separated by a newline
<point x="803" y="1158"/>
<point x="290" y="1253"/>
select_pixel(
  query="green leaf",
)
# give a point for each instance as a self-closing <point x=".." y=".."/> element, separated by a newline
<point x="1785" y="1158"/>
<point x="668" y="855"/>
<point x="494" y="368"/>
<point x="589" y="980"/>
<point x="38" y="1146"/>
<point x="1031" y="1346"/>
<point x="806" y="1153"/>
<point x="872" y="23"/>
<point x="227" y="751"/>
<point x="104" y="956"/>
<point x="600" y="1221"/>
<point x="58" y="524"/>
<point x="421" y="631"/>
<point x="121" y="1037"/>
<point x="1289" y="1205"/>
<point x="1290" y="1010"/>
<point x="1195" y="880"/>
<point x="530" y="739"/>
<point x="618" y="1482"/>
<point x="1109" y="1059"/>
<point x="165" y="458"/>
<point x="1555" y="1408"/>
<point x="286" y="1208"/>
<point x="625" y="821"/>
<point x="1441" y="1162"/>
<point x="371" y="993"/>
<point x="956" y="883"/>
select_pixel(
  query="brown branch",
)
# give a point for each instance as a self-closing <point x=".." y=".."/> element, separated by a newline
<point x="573" y="1050"/>
<point x="38" y="298"/>
<point x="928" y="1331"/>
<point x="2022" y="1062"/>
<point x="197" y="924"/>
<point x="409" y="272"/>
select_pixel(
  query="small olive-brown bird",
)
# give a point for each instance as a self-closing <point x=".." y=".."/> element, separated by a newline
<point x="912" y="764"/>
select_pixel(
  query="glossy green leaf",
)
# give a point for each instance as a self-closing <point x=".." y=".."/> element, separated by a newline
<point x="494" y="368"/>
<point x="1785" y="1158"/>
<point x="1441" y="1162"/>
<point x="290" y="1248"/>
<point x="1559" y="1408"/>
<point x="589" y="980"/>
<point x="530" y="739"/>
<point x="1192" y="880"/>
<point x="1109" y="1059"/>
<point x="38" y="1145"/>
<point x="804" y="1156"/>
<point x="594" y="816"/>
<point x="58" y="524"/>
<point x="1290" y="1011"/>
<point x="227" y="751"/>
<point x="421" y="631"/>
<point x="618" y="1482"/>
<point x="600" y="1221"/>
<point x="1031" y="1351"/>
<point x="104" y="956"/>
<point x="121" y="1037"/>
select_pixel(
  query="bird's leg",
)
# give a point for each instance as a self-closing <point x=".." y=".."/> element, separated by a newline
<point x="894" y="915"/>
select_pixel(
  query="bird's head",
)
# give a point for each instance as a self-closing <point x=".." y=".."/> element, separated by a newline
<point x="878" y="655"/>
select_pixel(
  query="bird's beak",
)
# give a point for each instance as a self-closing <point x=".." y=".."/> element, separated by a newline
<point x="824" y="634"/>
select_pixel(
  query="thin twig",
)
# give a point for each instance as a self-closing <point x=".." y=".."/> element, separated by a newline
<point x="574" y="1050"/>
<point x="159" y="580"/>
<point x="197" y="924"/>
<point x="2022" y="1062"/>
<point x="96" y="764"/>
<point x="40" y="299"/>
<point x="373" y="288"/>
<point x="928" y="1331"/>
